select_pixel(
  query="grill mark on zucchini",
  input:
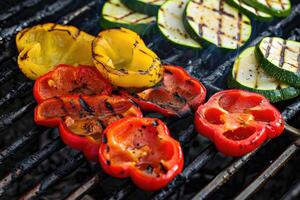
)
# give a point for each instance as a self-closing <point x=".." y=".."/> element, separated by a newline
<point x="141" y="19"/>
<point x="221" y="7"/>
<point x="282" y="54"/>
<point x="238" y="37"/>
<point x="269" y="48"/>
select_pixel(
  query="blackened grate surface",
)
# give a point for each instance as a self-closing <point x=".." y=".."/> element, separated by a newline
<point x="35" y="164"/>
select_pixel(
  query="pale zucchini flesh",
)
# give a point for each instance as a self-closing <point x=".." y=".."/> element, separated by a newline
<point x="171" y="26"/>
<point x="278" y="8"/>
<point x="280" y="58"/>
<point x="149" y="7"/>
<point x="247" y="74"/>
<point x="116" y="14"/>
<point x="216" y="22"/>
<point x="249" y="10"/>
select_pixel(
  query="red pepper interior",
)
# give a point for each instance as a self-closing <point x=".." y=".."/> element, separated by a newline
<point x="65" y="80"/>
<point x="87" y="116"/>
<point x="141" y="143"/>
<point x="240" y="116"/>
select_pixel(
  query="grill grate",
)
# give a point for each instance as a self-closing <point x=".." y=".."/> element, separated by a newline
<point x="82" y="13"/>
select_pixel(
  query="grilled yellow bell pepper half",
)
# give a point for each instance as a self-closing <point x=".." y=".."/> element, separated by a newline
<point x="123" y="58"/>
<point x="44" y="46"/>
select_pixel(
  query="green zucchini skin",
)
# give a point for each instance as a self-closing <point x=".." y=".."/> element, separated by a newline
<point x="107" y="22"/>
<point x="253" y="74"/>
<point x="273" y="95"/>
<point x="243" y="7"/>
<point x="142" y="7"/>
<point x="281" y="74"/>
<point x="272" y="11"/>
<point x="175" y="32"/>
<point x="187" y="21"/>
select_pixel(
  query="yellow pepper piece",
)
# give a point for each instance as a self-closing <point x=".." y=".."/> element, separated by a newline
<point x="123" y="58"/>
<point x="44" y="46"/>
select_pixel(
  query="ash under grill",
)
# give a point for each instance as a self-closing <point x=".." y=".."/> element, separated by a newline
<point x="35" y="164"/>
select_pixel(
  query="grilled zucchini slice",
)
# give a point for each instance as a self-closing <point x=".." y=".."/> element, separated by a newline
<point x="249" y="10"/>
<point x="115" y="14"/>
<point x="170" y="24"/>
<point x="216" y="22"/>
<point x="279" y="8"/>
<point x="148" y="7"/>
<point x="247" y="74"/>
<point x="280" y="58"/>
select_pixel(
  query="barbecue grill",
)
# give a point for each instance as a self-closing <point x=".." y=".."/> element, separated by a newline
<point x="35" y="164"/>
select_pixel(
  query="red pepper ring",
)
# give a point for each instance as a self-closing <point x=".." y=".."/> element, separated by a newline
<point x="82" y="119"/>
<point x="238" y="121"/>
<point x="69" y="80"/>
<point x="141" y="148"/>
<point x="178" y="93"/>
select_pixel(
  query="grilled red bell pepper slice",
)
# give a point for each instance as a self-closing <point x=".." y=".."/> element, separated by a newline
<point x="141" y="148"/>
<point x="67" y="80"/>
<point x="176" y="95"/>
<point x="82" y="119"/>
<point x="238" y="121"/>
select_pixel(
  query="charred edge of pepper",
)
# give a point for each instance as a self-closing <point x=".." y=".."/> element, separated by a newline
<point x="107" y="148"/>
<point x="104" y="139"/>
<point x="85" y="105"/>
<point x="108" y="162"/>
<point x="179" y="97"/>
<point x="134" y="103"/>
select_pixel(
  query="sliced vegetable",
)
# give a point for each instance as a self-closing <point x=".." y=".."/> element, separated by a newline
<point x="82" y="119"/>
<point x="280" y="58"/>
<point x="247" y="74"/>
<point x="115" y="14"/>
<point x="238" y="121"/>
<point x="148" y="7"/>
<point x="216" y="22"/>
<point x="280" y="8"/>
<point x="123" y="58"/>
<point x="44" y="46"/>
<point x="69" y="80"/>
<point x="141" y="148"/>
<point x="177" y="95"/>
<point x="170" y="24"/>
<point x="249" y="10"/>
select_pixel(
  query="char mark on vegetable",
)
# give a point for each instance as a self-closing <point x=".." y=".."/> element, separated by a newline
<point x="85" y="105"/>
<point x="269" y="47"/>
<point x="282" y="54"/>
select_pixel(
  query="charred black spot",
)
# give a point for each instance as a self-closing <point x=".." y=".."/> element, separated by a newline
<point x="144" y="126"/>
<point x="25" y="56"/>
<point x="107" y="149"/>
<point x="134" y="103"/>
<point x="109" y="106"/>
<point x="168" y="72"/>
<point x="149" y="169"/>
<point x="163" y="168"/>
<point x="85" y="105"/>
<point x="104" y="139"/>
<point x="101" y="124"/>
<point x="108" y="162"/>
<point x="179" y="97"/>
<point x="115" y="91"/>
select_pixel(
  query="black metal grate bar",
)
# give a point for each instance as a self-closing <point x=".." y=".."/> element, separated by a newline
<point x="19" y="143"/>
<point x="29" y="163"/>
<point x="4" y="15"/>
<point x="19" y="89"/>
<point x="62" y="171"/>
<point x="268" y="173"/>
<point x="84" y="188"/>
<point x="8" y="119"/>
